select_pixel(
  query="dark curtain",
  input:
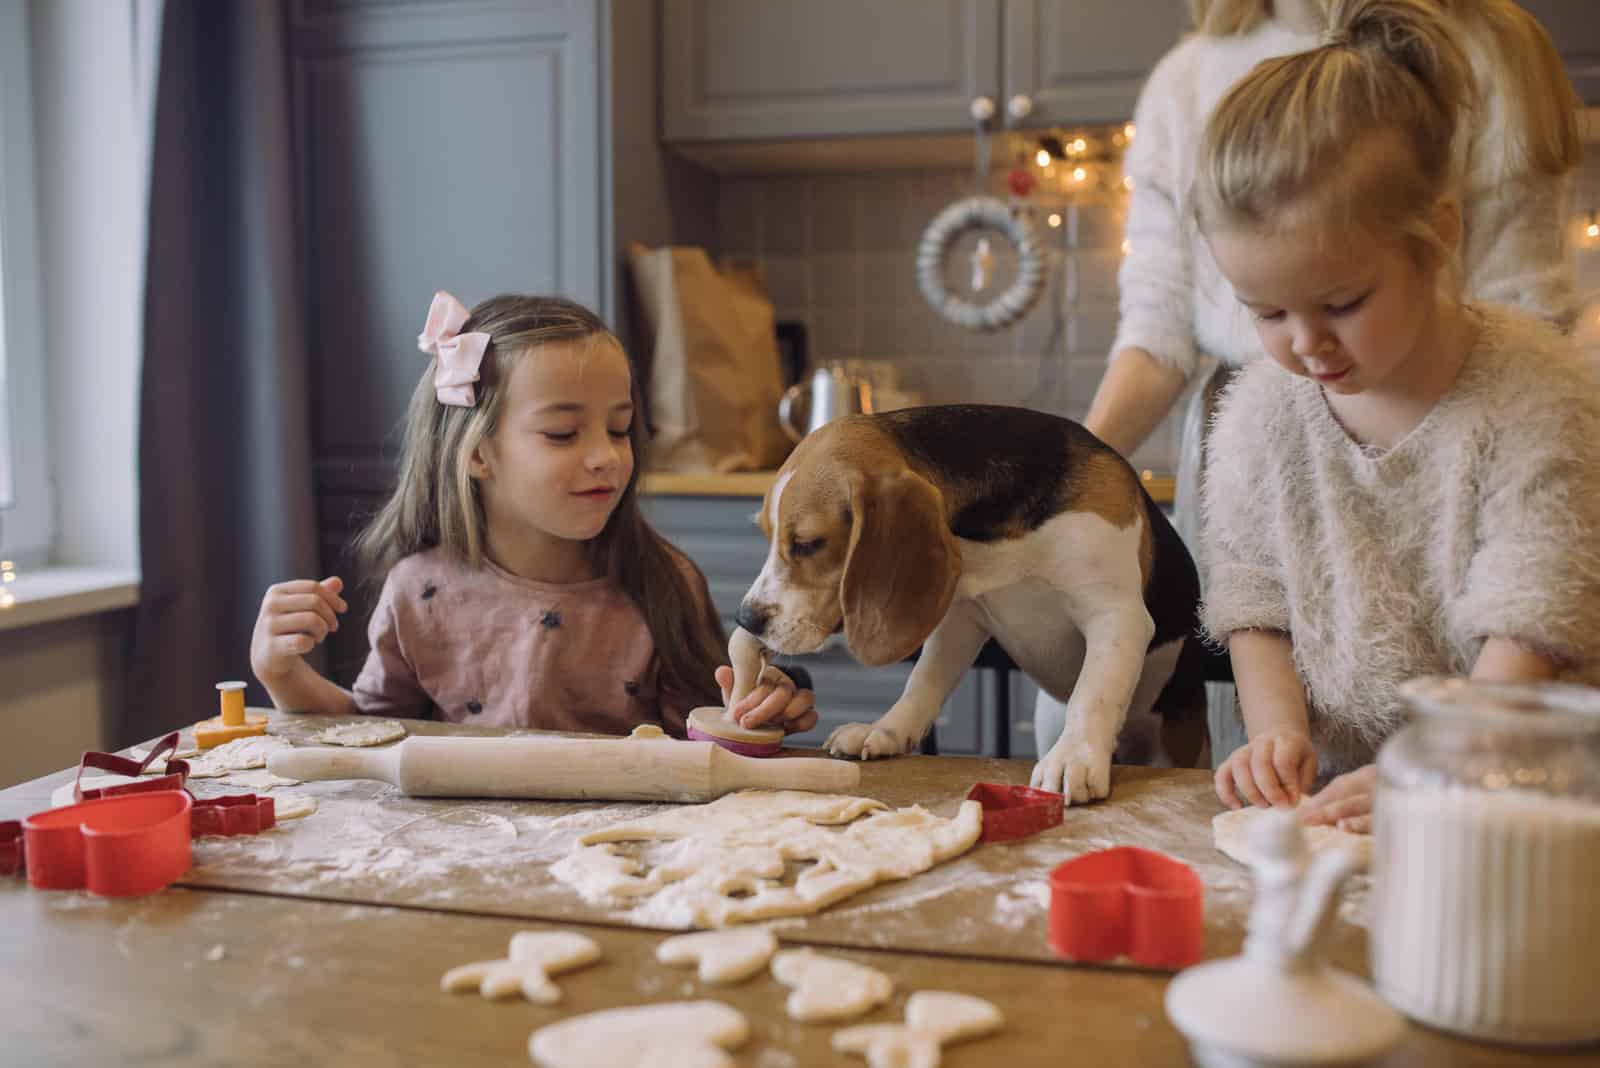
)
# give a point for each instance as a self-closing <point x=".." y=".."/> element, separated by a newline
<point x="225" y="480"/>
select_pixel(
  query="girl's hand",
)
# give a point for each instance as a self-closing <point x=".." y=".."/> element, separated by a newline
<point x="1346" y="802"/>
<point x="295" y="617"/>
<point x="776" y="698"/>
<point x="1277" y="767"/>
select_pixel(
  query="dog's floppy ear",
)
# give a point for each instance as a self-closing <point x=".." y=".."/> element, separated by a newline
<point x="902" y="567"/>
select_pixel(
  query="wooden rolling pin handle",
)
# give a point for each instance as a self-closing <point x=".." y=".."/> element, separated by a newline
<point x="729" y="772"/>
<point x="336" y="762"/>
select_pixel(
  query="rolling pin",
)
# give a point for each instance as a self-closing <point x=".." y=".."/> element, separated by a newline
<point x="565" y="769"/>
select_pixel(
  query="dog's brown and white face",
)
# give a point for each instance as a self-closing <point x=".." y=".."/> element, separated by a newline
<point x="858" y="542"/>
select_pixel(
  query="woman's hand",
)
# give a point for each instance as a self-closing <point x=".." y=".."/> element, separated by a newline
<point x="776" y="698"/>
<point x="295" y="618"/>
<point x="1346" y="802"/>
<point x="1277" y="767"/>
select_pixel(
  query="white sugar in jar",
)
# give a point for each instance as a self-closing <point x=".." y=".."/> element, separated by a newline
<point x="1486" y="868"/>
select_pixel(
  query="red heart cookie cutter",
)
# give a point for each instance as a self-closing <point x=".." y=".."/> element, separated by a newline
<point x="116" y="846"/>
<point x="1128" y="902"/>
<point x="1011" y="812"/>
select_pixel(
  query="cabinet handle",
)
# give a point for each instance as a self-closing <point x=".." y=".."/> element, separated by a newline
<point x="1020" y="106"/>
<point x="982" y="109"/>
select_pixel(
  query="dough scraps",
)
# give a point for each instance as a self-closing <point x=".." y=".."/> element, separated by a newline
<point x="724" y="863"/>
<point x="241" y="754"/>
<point x="683" y="1034"/>
<point x="361" y="732"/>
<point x="1230" y="831"/>
<point x="723" y="956"/>
<point x="293" y="807"/>
<point x="829" y="988"/>
<point x="533" y="958"/>
<point x="934" y="1018"/>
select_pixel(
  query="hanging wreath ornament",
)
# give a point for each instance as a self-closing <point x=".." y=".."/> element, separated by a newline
<point x="989" y="213"/>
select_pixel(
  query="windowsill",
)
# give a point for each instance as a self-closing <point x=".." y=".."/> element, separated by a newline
<point x="51" y="594"/>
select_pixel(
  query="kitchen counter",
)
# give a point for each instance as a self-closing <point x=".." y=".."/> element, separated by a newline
<point x="756" y="484"/>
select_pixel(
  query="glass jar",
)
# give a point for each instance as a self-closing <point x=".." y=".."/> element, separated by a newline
<point x="1486" y="867"/>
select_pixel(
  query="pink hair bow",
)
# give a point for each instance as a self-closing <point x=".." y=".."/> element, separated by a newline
<point x="458" y="354"/>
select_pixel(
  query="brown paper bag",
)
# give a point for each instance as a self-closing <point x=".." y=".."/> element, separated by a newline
<point x="715" y="376"/>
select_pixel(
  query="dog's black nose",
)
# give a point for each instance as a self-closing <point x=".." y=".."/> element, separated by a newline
<point x="750" y="618"/>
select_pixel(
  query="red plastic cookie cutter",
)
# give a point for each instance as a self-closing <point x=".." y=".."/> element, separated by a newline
<point x="120" y="846"/>
<point x="1128" y="902"/>
<point x="177" y="772"/>
<point x="1011" y="812"/>
<point x="237" y="814"/>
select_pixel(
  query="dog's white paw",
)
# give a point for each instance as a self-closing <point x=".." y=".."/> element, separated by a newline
<point x="865" y="740"/>
<point x="1077" y="769"/>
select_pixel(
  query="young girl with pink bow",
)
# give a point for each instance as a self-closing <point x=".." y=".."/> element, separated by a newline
<point x="523" y="587"/>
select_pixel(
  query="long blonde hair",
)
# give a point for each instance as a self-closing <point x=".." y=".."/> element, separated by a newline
<point x="436" y="502"/>
<point x="1305" y="126"/>
<point x="1518" y="59"/>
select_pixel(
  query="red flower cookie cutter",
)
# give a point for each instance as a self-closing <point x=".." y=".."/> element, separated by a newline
<point x="1128" y="902"/>
<point x="1011" y="812"/>
<point x="120" y="846"/>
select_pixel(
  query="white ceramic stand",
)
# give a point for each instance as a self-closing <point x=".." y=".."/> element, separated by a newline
<point x="1279" y="1005"/>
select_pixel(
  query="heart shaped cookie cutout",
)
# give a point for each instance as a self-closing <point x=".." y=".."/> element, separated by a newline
<point x="684" y="1034"/>
<point x="723" y="956"/>
<point x="828" y="988"/>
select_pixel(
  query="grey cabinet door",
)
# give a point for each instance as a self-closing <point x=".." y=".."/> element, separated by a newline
<point x="446" y="145"/>
<point x="769" y="69"/>
<point x="1085" y="60"/>
<point x="1574" y="26"/>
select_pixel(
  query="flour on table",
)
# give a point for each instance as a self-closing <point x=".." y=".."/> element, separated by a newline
<point x="241" y="754"/>
<point x="829" y="988"/>
<point x="361" y="732"/>
<point x="1231" y="833"/>
<point x="533" y="958"/>
<point x="684" y="1034"/>
<point x="934" y="1019"/>
<point x="723" y="956"/>
<point x="724" y="863"/>
<point x="159" y="767"/>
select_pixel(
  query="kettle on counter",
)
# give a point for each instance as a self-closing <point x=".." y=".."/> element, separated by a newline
<point x="831" y="393"/>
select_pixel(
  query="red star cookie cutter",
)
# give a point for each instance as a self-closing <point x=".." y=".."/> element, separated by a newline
<point x="1128" y="902"/>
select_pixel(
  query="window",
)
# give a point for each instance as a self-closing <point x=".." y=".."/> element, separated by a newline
<point x="26" y="509"/>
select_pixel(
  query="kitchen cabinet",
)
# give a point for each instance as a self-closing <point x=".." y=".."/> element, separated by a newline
<point x="467" y="145"/>
<point x="720" y="536"/>
<point x="797" y="69"/>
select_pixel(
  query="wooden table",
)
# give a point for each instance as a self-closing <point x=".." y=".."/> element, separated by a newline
<point x="307" y="946"/>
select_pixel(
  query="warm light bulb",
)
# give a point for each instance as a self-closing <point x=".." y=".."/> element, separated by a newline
<point x="1127" y="182"/>
<point x="1042" y="158"/>
<point x="1079" y="174"/>
<point x="1054" y="220"/>
<point x="1127" y="131"/>
<point x="1127" y="247"/>
<point x="6" y="600"/>
<point x="1593" y="229"/>
<point x="1079" y="146"/>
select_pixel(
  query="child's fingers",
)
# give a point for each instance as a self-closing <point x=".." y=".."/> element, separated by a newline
<point x="1344" y="808"/>
<point x="772" y="701"/>
<point x="330" y="589"/>
<point x="724" y="677"/>
<point x="801" y="724"/>
<point x="1287" y="762"/>
<point x="1308" y="772"/>
<point x="1244" y="780"/>
<point x="308" y="623"/>
<point x="1266" y="775"/>
<point x="799" y="704"/>
<point x="1357" y="824"/>
<point x="305" y="603"/>
<point x="1223" y="779"/>
<point x="292" y="645"/>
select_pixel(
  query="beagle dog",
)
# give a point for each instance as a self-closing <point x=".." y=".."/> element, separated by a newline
<point x="944" y="526"/>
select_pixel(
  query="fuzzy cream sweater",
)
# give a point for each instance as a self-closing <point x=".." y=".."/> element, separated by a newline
<point x="1483" y="522"/>
<point x="1176" y="304"/>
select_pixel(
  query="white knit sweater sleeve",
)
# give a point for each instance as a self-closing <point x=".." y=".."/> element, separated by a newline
<point x="1242" y="522"/>
<point x="1534" y="576"/>
<point x="1156" y="291"/>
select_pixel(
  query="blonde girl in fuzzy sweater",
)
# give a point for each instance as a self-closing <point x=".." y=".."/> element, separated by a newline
<point x="1409" y="484"/>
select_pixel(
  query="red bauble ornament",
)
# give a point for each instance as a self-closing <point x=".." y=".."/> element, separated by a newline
<point x="1021" y="181"/>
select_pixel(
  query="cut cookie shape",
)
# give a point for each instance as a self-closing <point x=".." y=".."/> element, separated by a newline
<point x="534" y="957"/>
<point x="1230" y="831"/>
<point x="934" y="1018"/>
<point x="724" y="956"/>
<point x="294" y="807"/>
<point x="241" y="754"/>
<point x="684" y="1034"/>
<point x="827" y="988"/>
<point x="361" y="733"/>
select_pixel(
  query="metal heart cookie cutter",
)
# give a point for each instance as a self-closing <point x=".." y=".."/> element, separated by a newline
<point x="1128" y="902"/>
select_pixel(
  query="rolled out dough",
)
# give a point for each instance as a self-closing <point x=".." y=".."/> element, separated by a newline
<point x="1231" y="833"/>
<point x="683" y="1034"/>
<point x="723" y="956"/>
<point x="361" y="732"/>
<point x="724" y="863"/>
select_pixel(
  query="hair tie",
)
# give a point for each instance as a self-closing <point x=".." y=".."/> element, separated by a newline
<point x="1335" y="37"/>
<point x="458" y="354"/>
